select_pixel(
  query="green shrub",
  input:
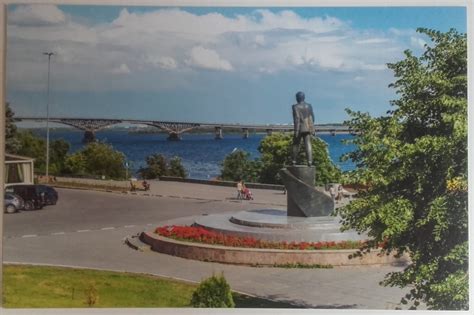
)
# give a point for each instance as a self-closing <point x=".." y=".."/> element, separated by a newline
<point x="157" y="166"/>
<point x="213" y="292"/>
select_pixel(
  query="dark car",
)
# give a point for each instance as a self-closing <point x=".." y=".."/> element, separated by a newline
<point x="49" y="194"/>
<point x="13" y="203"/>
<point x="29" y="193"/>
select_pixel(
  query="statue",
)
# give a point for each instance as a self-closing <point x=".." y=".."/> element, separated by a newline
<point x="303" y="198"/>
<point x="303" y="118"/>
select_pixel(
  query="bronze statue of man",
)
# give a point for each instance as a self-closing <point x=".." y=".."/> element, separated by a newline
<point x="303" y="119"/>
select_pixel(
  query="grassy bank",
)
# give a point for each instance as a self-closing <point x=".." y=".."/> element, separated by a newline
<point x="55" y="287"/>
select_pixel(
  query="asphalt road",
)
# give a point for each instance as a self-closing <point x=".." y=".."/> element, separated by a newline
<point x="87" y="228"/>
<point x="79" y="210"/>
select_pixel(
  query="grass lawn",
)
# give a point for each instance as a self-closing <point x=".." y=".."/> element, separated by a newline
<point x="55" y="287"/>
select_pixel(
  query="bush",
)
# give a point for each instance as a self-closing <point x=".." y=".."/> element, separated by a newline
<point x="157" y="166"/>
<point x="176" y="168"/>
<point x="213" y="292"/>
<point x="238" y="166"/>
<point x="97" y="159"/>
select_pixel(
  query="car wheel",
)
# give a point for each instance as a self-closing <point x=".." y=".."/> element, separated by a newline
<point x="29" y="205"/>
<point x="10" y="209"/>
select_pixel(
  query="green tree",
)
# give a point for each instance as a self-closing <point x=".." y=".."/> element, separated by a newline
<point x="176" y="168"/>
<point x="414" y="164"/>
<point x="12" y="144"/>
<point x="213" y="292"/>
<point x="58" y="151"/>
<point x="238" y="166"/>
<point x="33" y="146"/>
<point x="75" y="164"/>
<point x="275" y="153"/>
<point x="156" y="167"/>
<point x="97" y="159"/>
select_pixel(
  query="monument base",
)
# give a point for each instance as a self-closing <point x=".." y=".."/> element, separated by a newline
<point x="303" y="199"/>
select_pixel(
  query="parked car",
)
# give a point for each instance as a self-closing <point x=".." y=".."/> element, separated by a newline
<point x="30" y="194"/>
<point x="49" y="194"/>
<point x="13" y="203"/>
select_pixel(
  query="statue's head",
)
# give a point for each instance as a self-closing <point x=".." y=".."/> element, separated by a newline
<point x="300" y="97"/>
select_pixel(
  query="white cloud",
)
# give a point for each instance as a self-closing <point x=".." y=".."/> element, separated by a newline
<point x="372" y="41"/>
<point x="207" y="59"/>
<point x="417" y="42"/>
<point x="401" y="32"/>
<point x="162" y="62"/>
<point x="36" y="15"/>
<point x="261" y="42"/>
<point x="122" y="69"/>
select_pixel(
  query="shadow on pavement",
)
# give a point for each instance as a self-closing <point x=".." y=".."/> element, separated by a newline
<point x="270" y="301"/>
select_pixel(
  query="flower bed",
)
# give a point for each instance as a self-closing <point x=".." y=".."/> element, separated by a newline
<point x="201" y="235"/>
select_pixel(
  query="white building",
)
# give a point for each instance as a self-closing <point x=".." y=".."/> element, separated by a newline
<point x="18" y="169"/>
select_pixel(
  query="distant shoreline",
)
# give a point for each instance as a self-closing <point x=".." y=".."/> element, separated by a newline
<point x="153" y="130"/>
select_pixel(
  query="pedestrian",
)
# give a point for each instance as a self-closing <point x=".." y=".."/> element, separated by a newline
<point x="239" y="189"/>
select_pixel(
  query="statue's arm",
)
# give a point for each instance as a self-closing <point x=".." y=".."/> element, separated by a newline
<point x="312" y="114"/>
<point x="296" y="122"/>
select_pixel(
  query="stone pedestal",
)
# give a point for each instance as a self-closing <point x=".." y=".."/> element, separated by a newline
<point x="303" y="199"/>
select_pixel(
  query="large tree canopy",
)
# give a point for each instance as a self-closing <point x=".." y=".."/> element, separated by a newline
<point x="275" y="153"/>
<point x="96" y="159"/>
<point x="414" y="164"/>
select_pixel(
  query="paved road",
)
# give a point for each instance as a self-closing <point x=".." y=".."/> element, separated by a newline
<point x="87" y="228"/>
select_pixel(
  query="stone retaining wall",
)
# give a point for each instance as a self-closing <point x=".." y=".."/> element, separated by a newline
<point x="93" y="182"/>
<point x="257" y="256"/>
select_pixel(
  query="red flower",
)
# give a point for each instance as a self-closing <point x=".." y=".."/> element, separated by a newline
<point x="201" y="235"/>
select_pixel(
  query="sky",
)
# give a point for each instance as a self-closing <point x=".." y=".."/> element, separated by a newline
<point x="230" y="65"/>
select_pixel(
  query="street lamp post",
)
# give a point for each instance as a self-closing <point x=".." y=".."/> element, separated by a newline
<point x="49" y="54"/>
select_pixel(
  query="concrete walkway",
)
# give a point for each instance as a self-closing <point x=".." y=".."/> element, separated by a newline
<point x="213" y="192"/>
<point x="276" y="198"/>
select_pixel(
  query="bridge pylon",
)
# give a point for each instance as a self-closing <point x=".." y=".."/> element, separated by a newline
<point x="218" y="133"/>
<point x="173" y="136"/>
<point x="246" y="133"/>
<point x="89" y="136"/>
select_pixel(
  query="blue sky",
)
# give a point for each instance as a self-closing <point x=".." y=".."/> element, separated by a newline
<point x="235" y="65"/>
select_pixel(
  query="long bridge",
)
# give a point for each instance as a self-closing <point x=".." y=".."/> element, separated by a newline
<point x="175" y="129"/>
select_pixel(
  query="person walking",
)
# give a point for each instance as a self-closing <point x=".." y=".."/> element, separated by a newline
<point x="239" y="189"/>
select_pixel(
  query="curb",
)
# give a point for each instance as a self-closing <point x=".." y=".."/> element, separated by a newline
<point x="134" y="242"/>
<point x="265" y="257"/>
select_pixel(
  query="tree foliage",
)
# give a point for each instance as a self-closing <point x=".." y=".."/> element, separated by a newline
<point x="275" y="153"/>
<point x="413" y="162"/>
<point x="213" y="292"/>
<point x="176" y="168"/>
<point x="238" y="166"/>
<point x="33" y="146"/>
<point x="157" y="166"/>
<point x="97" y="159"/>
<point x="12" y="144"/>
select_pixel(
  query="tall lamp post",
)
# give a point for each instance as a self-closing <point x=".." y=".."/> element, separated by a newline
<point x="49" y="54"/>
